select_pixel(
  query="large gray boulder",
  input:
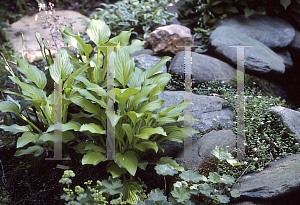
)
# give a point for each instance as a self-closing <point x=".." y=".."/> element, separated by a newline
<point x="273" y="32"/>
<point x="277" y="179"/>
<point x="207" y="109"/>
<point x="202" y="148"/>
<point x="290" y="118"/>
<point x="204" y="68"/>
<point x="259" y="58"/>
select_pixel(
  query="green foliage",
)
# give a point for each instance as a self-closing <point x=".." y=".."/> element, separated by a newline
<point x="143" y="16"/>
<point x="213" y="188"/>
<point x="105" y="192"/>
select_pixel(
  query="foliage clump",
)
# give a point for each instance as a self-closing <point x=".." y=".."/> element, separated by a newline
<point x="143" y="16"/>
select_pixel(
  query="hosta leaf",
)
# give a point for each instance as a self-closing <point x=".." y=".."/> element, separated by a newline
<point x="36" y="150"/>
<point x="99" y="90"/>
<point x="98" y="31"/>
<point x="231" y="9"/>
<point x="123" y="66"/>
<point x="9" y="106"/>
<point x="25" y="104"/>
<point x="93" y="158"/>
<point x="143" y="146"/>
<point x="75" y="41"/>
<point x="124" y="96"/>
<point x="285" y="3"/>
<point x="151" y="106"/>
<point x="133" y="116"/>
<point x="173" y="163"/>
<point x="115" y="170"/>
<point x="26" y="138"/>
<point x="122" y="38"/>
<point x="85" y="104"/>
<point x="29" y="89"/>
<point x="143" y="165"/>
<point x="95" y="148"/>
<point x="193" y="176"/>
<point x="15" y="128"/>
<point x="140" y="97"/>
<point x="248" y="12"/>
<point x="129" y="161"/>
<point x="146" y="132"/>
<point x="129" y="132"/>
<point x="93" y="128"/>
<point x="158" y="67"/>
<point x="68" y="126"/>
<point x="136" y="45"/>
<point x="62" y="67"/>
<point x="32" y="73"/>
<point x="66" y="137"/>
<point x="165" y="169"/>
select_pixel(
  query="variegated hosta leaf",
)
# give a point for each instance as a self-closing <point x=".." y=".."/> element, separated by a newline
<point x="93" y="128"/>
<point x="62" y="67"/>
<point x="36" y="149"/>
<point x="98" y="31"/>
<point x="65" y="137"/>
<point x="15" y="128"/>
<point x="26" y="138"/>
<point x="68" y="126"/>
<point x="32" y="73"/>
<point x="123" y="66"/>
<point x="128" y="160"/>
<point x="28" y="89"/>
<point x="9" y="106"/>
<point x="93" y="158"/>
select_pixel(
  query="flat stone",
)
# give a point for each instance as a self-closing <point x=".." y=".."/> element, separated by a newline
<point x="290" y="118"/>
<point x="29" y="26"/>
<point x="204" y="68"/>
<point x="272" y="32"/>
<point x="258" y="58"/>
<point x="280" y="177"/>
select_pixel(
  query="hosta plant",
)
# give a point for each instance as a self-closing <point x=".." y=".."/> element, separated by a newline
<point x="143" y="16"/>
<point x="136" y="102"/>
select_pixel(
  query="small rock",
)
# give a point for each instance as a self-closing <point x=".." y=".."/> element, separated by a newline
<point x="166" y="39"/>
